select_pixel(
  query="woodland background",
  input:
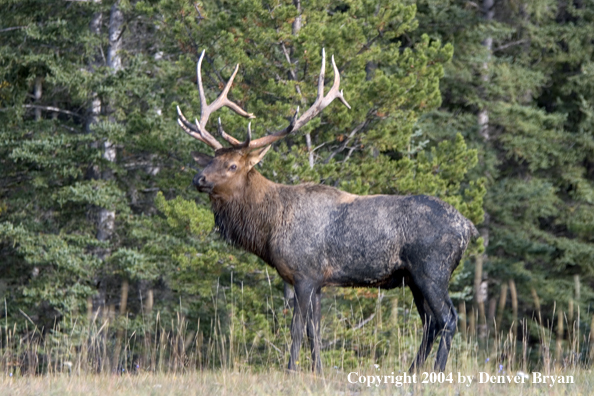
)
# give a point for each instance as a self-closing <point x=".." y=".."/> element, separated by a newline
<point x="107" y="250"/>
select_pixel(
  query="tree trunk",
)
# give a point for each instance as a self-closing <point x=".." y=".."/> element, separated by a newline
<point x="483" y="121"/>
<point x="483" y="116"/>
<point x="559" y="346"/>
<point x="492" y="312"/>
<point x="514" y="301"/>
<point x="472" y="323"/>
<point x="116" y="26"/>
<point x="481" y="296"/>
<point x="536" y="303"/>
<point x="145" y="362"/>
<point x="289" y="293"/>
<point x="95" y="109"/>
<point x="37" y="90"/>
<point x="502" y="300"/>
<point x="120" y="331"/>
<point x="591" y="339"/>
<point x="297" y="23"/>
<point x="99" y="300"/>
<point x="462" y="319"/>
<point x="578" y="294"/>
<point x="106" y="222"/>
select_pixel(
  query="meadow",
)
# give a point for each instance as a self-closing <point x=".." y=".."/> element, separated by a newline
<point x="112" y="280"/>
<point x="273" y="382"/>
<point x="106" y="355"/>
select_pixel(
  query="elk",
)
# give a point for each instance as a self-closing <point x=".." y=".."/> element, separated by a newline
<point x="316" y="235"/>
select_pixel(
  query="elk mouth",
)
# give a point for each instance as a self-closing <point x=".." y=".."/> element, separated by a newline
<point x="204" y="189"/>
<point x="201" y="184"/>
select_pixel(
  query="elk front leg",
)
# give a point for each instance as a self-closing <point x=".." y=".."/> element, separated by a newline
<point x="289" y="295"/>
<point x="313" y="329"/>
<point x="303" y="314"/>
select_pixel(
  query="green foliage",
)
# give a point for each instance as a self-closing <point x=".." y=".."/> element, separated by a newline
<point x="58" y="267"/>
<point x="535" y="85"/>
<point x="184" y="216"/>
<point x="56" y="179"/>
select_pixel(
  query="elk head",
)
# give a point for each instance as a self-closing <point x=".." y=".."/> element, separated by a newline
<point x="225" y="174"/>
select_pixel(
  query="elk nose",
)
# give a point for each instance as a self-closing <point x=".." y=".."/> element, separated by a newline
<point x="199" y="180"/>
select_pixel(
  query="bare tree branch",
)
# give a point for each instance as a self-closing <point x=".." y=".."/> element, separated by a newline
<point x="513" y="43"/>
<point x="12" y="28"/>
<point x="51" y="108"/>
<point x="272" y="345"/>
<point x="349" y="154"/>
<point x="364" y="322"/>
<point x="200" y="17"/>
<point x="361" y="324"/>
<point x="346" y="141"/>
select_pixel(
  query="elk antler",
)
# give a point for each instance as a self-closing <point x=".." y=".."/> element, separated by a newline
<point x="198" y="131"/>
<point x="296" y="123"/>
<point x="234" y="142"/>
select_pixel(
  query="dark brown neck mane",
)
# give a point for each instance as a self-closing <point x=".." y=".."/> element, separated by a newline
<point x="249" y="219"/>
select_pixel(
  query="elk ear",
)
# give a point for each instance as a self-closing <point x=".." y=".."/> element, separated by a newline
<point x="201" y="159"/>
<point x="256" y="156"/>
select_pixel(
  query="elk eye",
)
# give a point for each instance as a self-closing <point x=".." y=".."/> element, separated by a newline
<point x="233" y="167"/>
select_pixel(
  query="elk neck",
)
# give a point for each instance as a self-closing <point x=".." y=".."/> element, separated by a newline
<point x="248" y="218"/>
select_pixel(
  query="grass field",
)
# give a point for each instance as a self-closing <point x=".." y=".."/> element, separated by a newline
<point x="108" y="357"/>
<point x="224" y="382"/>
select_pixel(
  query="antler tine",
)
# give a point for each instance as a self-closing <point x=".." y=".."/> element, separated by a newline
<point x="234" y="142"/>
<point x="196" y="132"/>
<point x="199" y="131"/>
<point x="319" y="105"/>
<point x="229" y="138"/>
<point x="321" y="76"/>
<point x="203" y="104"/>
<point x="249" y="136"/>
<point x="334" y="90"/>
<point x="323" y="101"/>
<point x="222" y="100"/>
<point x="248" y="139"/>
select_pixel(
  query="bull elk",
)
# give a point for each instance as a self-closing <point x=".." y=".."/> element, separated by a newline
<point x="316" y="235"/>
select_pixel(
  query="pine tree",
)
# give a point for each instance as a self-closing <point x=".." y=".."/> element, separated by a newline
<point x="378" y="147"/>
<point x="537" y="159"/>
<point x="62" y="105"/>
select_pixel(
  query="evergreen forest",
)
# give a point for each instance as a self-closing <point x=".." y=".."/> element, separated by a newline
<point x="109" y="257"/>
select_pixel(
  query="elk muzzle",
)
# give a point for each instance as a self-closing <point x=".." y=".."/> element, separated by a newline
<point x="201" y="183"/>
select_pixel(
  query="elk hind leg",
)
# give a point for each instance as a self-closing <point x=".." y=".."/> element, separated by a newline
<point x="448" y="328"/>
<point x="438" y="300"/>
<point x="429" y="328"/>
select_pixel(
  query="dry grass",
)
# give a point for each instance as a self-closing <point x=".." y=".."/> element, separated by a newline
<point x="224" y="382"/>
<point x="168" y="359"/>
